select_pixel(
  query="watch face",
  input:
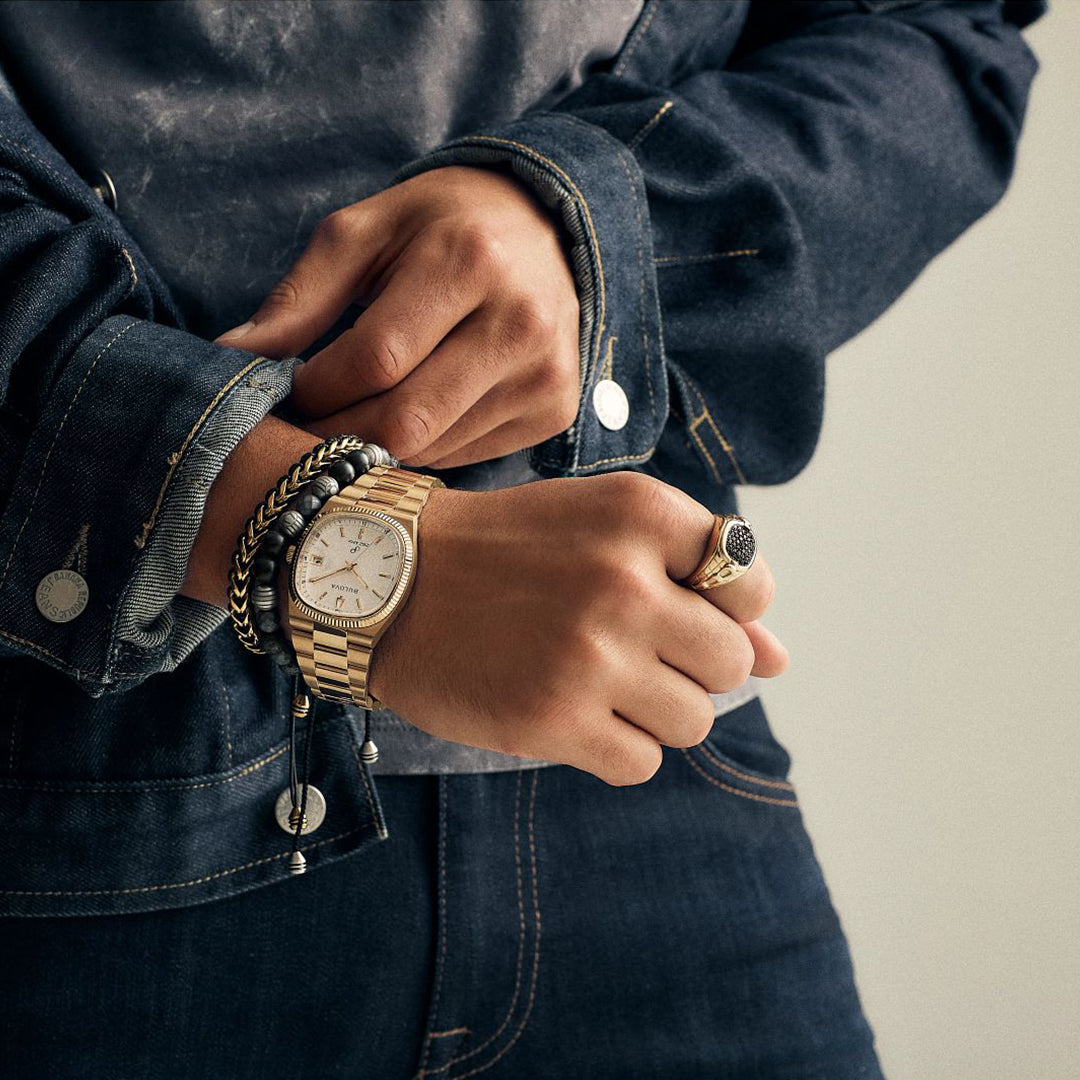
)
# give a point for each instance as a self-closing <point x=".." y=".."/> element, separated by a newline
<point x="349" y="565"/>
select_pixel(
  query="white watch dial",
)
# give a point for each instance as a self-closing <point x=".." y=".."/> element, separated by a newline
<point x="349" y="565"/>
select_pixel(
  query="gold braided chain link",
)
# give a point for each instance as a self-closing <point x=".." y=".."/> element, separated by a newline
<point x="268" y="511"/>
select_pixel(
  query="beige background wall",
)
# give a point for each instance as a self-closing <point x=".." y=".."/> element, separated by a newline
<point x="933" y="711"/>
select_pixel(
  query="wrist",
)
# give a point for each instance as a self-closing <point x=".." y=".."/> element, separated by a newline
<point x="266" y="452"/>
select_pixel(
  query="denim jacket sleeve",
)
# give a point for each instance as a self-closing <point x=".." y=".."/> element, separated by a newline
<point x="737" y="212"/>
<point x="114" y="422"/>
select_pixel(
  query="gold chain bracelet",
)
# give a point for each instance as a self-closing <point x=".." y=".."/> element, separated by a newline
<point x="268" y="511"/>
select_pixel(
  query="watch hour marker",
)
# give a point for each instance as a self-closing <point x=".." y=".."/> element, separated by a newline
<point x="390" y="556"/>
<point x="378" y="594"/>
<point x="358" y="607"/>
<point x="390" y="576"/>
<point x="323" y="593"/>
<point x="322" y="540"/>
<point x="338" y="602"/>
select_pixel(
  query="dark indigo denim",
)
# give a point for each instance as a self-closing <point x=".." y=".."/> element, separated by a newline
<point x="745" y="187"/>
<point x="518" y="925"/>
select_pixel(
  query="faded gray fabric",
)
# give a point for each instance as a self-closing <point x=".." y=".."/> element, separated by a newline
<point x="231" y="129"/>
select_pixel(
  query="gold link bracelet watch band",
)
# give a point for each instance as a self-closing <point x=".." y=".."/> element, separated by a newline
<point x="335" y="661"/>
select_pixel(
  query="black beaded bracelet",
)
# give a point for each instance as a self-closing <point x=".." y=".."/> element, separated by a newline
<point x="278" y="501"/>
<point x="271" y="547"/>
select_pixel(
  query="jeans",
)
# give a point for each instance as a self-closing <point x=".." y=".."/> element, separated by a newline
<point x="521" y="925"/>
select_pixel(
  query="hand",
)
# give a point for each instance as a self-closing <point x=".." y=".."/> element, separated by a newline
<point x="582" y="649"/>
<point x="468" y="348"/>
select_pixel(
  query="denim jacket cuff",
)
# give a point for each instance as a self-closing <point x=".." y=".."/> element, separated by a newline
<point x="113" y="485"/>
<point x="596" y="185"/>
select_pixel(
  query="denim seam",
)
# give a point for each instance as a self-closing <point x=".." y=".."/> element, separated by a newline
<point x="783" y="785"/>
<point x="35" y="647"/>
<point x="177" y="456"/>
<point x="791" y="804"/>
<point x="118" y="787"/>
<point x="63" y="180"/>
<point x="721" y="440"/>
<point x="440" y="962"/>
<point x="521" y="942"/>
<point x="635" y="40"/>
<point x="682" y="260"/>
<point x="52" y="446"/>
<point x="536" y="946"/>
<point x="175" y="884"/>
<point x="647" y="129"/>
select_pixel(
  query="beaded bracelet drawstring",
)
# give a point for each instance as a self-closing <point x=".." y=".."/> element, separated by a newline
<point x="253" y="598"/>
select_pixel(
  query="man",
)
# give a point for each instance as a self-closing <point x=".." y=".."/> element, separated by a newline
<point x="606" y="245"/>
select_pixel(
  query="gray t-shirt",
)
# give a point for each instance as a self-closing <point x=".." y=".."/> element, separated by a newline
<point x="231" y="128"/>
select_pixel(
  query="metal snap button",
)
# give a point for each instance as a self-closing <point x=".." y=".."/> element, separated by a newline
<point x="610" y="404"/>
<point x="62" y="595"/>
<point x="314" y="815"/>
<point x="101" y="183"/>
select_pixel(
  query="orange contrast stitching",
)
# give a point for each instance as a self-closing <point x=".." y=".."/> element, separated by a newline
<point x="740" y="253"/>
<point x="536" y="947"/>
<point x="176" y="884"/>
<point x="782" y="784"/>
<point x="149" y="786"/>
<point x="734" y="790"/>
<point x="521" y="941"/>
<point x="45" y="463"/>
<point x="646" y="130"/>
<point x="618" y="69"/>
<point x="174" y="458"/>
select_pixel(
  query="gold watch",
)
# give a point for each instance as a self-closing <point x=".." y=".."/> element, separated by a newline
<point x="351" y="572"/>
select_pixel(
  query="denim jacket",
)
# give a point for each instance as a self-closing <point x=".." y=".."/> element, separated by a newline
<point x="744" y="187"/>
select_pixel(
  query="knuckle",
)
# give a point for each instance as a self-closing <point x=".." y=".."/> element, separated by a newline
<point x="699" y="721"/>
<point x="557" y="388"/>
<point x="638" y="497"/>
<point x="634" y="767"/>
<point x="284" y="296"/>
<point x="337" y="228"/>
<point x="476" y="248"/>
<point x="380" y="362"/>
<point x="531" y="323"/>
<point x="410" y="429"/>
<point x="737" y="664"/>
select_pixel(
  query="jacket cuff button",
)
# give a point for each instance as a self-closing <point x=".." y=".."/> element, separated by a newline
<point x="610" y="404"/>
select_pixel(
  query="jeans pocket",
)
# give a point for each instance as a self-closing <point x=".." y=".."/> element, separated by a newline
<point x="741" y="757"/>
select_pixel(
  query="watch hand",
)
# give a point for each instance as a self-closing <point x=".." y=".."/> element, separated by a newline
<point x="322" y="577"/>
<point x="357" y="573"/>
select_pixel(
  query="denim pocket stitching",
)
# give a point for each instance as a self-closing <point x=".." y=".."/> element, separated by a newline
<point x="764" y="781"/>
<point x="790" y="803"/>
<point x="521" y="944"/>
<point x="534" y="973"/>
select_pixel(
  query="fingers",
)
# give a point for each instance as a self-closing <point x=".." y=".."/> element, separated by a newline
<point x="310" y="298"/>
<point x="416" y="412"/>
<point x="680" y="528"/>
<point x="675" y="710"/>
<point x="704" y="644"/>
<point x="770" y="656"/>
<point x="747" y="597"/>
<point x="427" y="296"/>
<point x="618" y="752"/>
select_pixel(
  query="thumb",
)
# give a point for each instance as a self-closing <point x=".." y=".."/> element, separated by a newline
<point x="310" y="298"/>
